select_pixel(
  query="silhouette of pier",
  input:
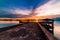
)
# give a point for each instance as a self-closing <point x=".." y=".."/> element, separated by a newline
<point x="29" y="30"/>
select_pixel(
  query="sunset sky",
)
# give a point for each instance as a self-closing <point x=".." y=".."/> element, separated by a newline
<point x="22" y="8"/>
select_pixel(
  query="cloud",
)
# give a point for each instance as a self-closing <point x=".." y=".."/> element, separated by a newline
<point x="16" y="11"/>
<point x="20" y="7"/>
<point x="49" y="8"/>
<point x="20" y="11"/>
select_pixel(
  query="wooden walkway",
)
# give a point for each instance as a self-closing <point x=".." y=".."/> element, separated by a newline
<point x="25" y="31"/>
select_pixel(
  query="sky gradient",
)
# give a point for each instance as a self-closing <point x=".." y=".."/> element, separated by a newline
<point x="18" y="8"/>
<point x="22" y="8"/>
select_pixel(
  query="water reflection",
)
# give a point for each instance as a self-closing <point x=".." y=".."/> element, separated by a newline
<point x="7" y="23"/>
<point x="57" y="30"/>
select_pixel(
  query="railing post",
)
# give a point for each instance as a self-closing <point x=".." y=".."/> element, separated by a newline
<point x="48" y="24"/>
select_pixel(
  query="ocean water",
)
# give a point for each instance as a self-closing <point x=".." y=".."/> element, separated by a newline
<point x="6" y="25"/>
<point x="57" y="30"/>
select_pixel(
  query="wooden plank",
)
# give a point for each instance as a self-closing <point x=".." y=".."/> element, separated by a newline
<point x="48" y="34"/>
